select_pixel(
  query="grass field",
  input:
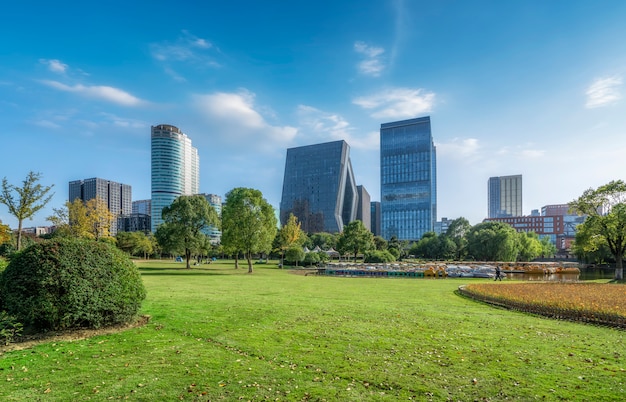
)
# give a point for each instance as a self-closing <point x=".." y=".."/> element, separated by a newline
<point x="217" y="333"/>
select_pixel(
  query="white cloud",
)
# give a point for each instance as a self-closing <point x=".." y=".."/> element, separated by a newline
<point x="398" y="103"/>
<point x="187" y="48"/>
<point x="55" y="65"/>
<point x="604" y="91"/>
<point x="331" y="127"/>
<point x="372" y="65"/>
<point x="459" y="148"/>
<point x="102" y="92"/>
<point x="46" y="124"/>
<point x="235" y="119"/>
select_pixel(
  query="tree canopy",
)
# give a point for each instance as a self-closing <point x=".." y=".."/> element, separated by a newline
<point x="290" y="235"/>
<point x="249" y="223"/>
<point x="605" y="208"/>
<point x="355" y="239"/>
<point x="24" y="202"/>
<point x="86" y="220"/>
<point x="492" y="241"/>
<point x="185" y="222"/>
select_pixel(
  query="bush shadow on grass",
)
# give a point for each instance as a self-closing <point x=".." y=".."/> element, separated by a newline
<point x="183" y="271"/>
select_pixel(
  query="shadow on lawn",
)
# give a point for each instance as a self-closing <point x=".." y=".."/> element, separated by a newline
<point x="183" y="271"/>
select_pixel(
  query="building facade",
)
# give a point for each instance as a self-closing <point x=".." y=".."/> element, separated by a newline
<point x="175" y="169"/>
<point x="142" y="207"/>
<point x="319" y="187"/>
<point x="408" y="179"/>
<point x="375" y="218"/>
<point x="117" y="196"/>
<point x="134" y="222"/>
<point x="504" y="196"/>
<point x="214" y="233"/>
<point x="363" y="212"/>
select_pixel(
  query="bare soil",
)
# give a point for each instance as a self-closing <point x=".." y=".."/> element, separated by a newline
<point x="28" y="341"/>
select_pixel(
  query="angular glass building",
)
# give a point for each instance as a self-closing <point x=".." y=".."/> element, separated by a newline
<point x="504" y="194"/>
<point x="319" y="187"/>
<point x="408" y="179"/>
<point x="175" y="169"/>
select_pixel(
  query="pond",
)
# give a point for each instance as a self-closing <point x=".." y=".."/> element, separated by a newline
<point x="585" y="274"/>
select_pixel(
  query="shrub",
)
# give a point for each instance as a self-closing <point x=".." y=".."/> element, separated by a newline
<point x="379" y="256"/>
<point x="311" y="258"/>
<point x="71" y="283"/>
<point x="10" y="328"/>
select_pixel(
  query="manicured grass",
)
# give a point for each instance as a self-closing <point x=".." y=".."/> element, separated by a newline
<point x="221" y="334"/>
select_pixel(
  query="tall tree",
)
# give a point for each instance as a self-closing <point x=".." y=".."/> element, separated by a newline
<point x="24" y="202"/>
<point x="184" y="223"/>
<point x="605" y="208"/>
<point x="355" y="239"/>
<point x="248" y="223"/>
<point x="492" y="241"/>
<point x="529" y="246"/>
<point x="290" y="235"/>
<point x="457" y="231"/>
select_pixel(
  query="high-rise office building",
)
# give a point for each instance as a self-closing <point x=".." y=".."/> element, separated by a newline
<point x="142" y="207"/>
<point x="504" y="196"/>
<point x="319" y="187"/>
<point x="375" y="217"/>
<point x="175" y="169"/>
<point x="408" y="179"/>
<point x="363" y="211"/>
<point x="214" y="233"/>
<point x="117" y="196"/>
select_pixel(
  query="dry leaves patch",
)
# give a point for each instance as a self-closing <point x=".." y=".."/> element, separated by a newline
<point x="591" y="302"/>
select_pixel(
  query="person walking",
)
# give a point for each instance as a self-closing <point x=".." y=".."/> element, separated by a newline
<point x="498" y="273"/>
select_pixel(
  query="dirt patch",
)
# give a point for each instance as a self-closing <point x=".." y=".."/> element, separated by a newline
<point x="28" y="341"/>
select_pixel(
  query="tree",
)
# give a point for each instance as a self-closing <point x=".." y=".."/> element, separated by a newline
<point x="457" y="232"/>
<point x="86" y="220"/>
<point x="5" y="233"/>
<point x="290" y="235"/>
<point x="355" y="239"/>
<point x="492" y="241"/>
<point x="31" y="197"/>
<point x="605" y="208"/>
<point x="248" y="223"/>
<point x="529" y="246"/>
<point x="379" y="243"/>
<point x="295" y="254"/>
<point x="548" y="249"/>
<point x="324" y="240"/>
<point x="183" y="224"/>
<point x="398" y="247"/>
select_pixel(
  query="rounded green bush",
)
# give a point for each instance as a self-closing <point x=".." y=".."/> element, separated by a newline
<point x="71" y="283"/>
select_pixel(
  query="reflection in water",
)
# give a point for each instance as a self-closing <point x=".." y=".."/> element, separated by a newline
<point x="585" y="275"/>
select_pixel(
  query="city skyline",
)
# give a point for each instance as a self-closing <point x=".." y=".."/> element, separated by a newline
<point x="534" y="88"/>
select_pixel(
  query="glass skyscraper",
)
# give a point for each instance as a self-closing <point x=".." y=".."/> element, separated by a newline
<point x="319" y="187"/>
<point x="408" y="175"/>
<point x="504" y="196"/>
<point x="175" y="169"/>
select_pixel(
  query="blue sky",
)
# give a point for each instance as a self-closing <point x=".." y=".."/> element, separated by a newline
<point x="512" y="87"/>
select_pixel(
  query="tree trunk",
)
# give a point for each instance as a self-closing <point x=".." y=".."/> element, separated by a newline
<point x="19" y="234"/>
<point x="187" y="256"/>
<point x="249" y="257"/>
<point x="237" y="260"/>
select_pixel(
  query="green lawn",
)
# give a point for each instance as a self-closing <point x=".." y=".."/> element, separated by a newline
<point x="221" y="334"/>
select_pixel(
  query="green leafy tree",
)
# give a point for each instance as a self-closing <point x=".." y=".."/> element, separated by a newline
<point x="323" y="240"/>
<point x="457" y="232"/>
<point x="248" y="223"/>
<point x="85" y="220"/>
<point x="290" y="235"/>
<point x="295" y="254"/>
<point x="399" y="248"/>
<point x="605" y="208"/>
<point x="548" y="249"/>
<point x="492" y="241"/>
<point x="24" y="202"/>
<point x="529" y="246"/>
<point x="355" y="239"/>
<point x="380" y="243"/>
<point x="183" y="224"/>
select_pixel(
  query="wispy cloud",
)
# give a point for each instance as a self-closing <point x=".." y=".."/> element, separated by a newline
<point x="327" y="126"/>
<point x="237" y="119"/>
<point x="397" y="103"/>
<point x="459" y="148"/>
<point x="54" y="65"/>
<point x="46" y="124"/>
<point x="372" y="65"/>
<point x="102" y="92"/>
<point x="187" y="48"/>
<point x="604" y="91"/>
